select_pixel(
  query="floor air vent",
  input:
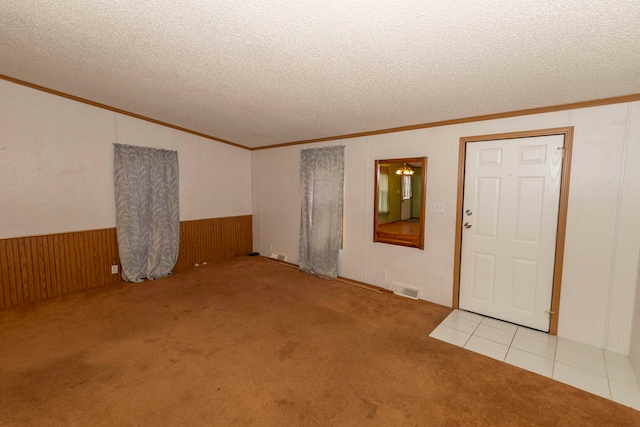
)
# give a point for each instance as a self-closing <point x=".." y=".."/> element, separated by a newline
<point x="278" y="257"/>
<point x="404" y="291"/>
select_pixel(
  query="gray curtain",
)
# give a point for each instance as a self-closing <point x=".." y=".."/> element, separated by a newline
<point x="322" y="179"/>
<point x="147" y="211"/>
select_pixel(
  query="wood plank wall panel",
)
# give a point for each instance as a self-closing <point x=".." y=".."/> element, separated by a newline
<point x="208" y="240"/>
<point x="39" y="267"/>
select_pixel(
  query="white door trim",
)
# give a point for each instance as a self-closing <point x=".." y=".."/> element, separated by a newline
<point x="562" y="214"/>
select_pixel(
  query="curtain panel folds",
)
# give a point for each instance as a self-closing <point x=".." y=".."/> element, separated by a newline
<point x="322" y="180"/>
<point x="147" y="211"/>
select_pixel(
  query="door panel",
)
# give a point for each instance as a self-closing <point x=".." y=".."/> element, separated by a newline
<point x="510" y="204"/>
<point x="488" y="196"/>
<point x="529" y="209"/>
<point x="525" y="276"/>
<point x="484" y="277"/>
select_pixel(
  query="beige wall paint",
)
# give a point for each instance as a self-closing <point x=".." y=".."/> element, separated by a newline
<point x="56" y="175"/>
<point x="634" y="350"/>
<point x="591" y="219"/>
<point x="627" y="232"/>
<point x="56" y="165"/>
<point x="596" y="273"/>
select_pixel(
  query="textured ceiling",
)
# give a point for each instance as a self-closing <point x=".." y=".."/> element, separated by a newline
<point x="267" y="72"/>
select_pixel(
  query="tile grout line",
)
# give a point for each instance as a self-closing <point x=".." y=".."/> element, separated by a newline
<point x="554" y="359"/>
<point x="495" y="342"/>
<point x="510" y="344"/>
<point x="471" y="334"/>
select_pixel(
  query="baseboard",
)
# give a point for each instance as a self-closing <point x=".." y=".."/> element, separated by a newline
<point x="340" y="279"/>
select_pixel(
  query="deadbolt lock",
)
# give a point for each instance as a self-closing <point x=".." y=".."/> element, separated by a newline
<point x="468" y="212"/>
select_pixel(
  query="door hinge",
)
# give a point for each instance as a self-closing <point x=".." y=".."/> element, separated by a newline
<point x="561" y="148"/>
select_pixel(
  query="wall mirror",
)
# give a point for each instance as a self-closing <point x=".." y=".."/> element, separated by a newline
<point x="399" y="205"/>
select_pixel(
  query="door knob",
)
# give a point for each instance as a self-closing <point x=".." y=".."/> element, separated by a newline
<point x="467" y="225"/>
<point x="468" y="212"/>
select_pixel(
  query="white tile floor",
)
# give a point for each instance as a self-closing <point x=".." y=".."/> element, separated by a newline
<point x="592" y="369"/>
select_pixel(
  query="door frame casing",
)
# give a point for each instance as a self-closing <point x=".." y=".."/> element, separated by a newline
<point x="567" y="132"/>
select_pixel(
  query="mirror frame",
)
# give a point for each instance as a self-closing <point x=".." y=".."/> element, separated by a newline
<point x="409" y="240"/>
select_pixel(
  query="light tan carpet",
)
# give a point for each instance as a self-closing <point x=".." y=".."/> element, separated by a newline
<point x="248" y="342"/>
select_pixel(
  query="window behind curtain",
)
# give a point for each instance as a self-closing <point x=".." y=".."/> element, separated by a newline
<point x="406" y="187"/>
<point x="383" y="191"/>
<point x="147" y="211"/>
<point x="322" y="185"/>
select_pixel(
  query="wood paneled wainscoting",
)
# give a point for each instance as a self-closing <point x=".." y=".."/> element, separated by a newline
<point x="39" y="267"/>
<point x="207" y="240"/>
<point x="33" y="268"/>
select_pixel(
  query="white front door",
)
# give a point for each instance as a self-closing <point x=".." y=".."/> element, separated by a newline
<point x="510" y="218"/>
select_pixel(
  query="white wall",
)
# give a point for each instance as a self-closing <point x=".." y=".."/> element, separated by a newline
<point x="56" y="165"/>
<point x="599" y="274"/>
<point x="624" y="260"/>
<point x="56" y="175"/>
<point x="634" y="351"/>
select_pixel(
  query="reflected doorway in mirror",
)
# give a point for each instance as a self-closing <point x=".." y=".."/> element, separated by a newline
<point x="399" y="208"/>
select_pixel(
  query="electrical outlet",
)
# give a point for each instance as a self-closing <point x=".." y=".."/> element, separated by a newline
<point x="270" y="248"/>
<point x="114" y="269"/>
<point x="436" y="207"/>
<point x="384" y="275"/>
